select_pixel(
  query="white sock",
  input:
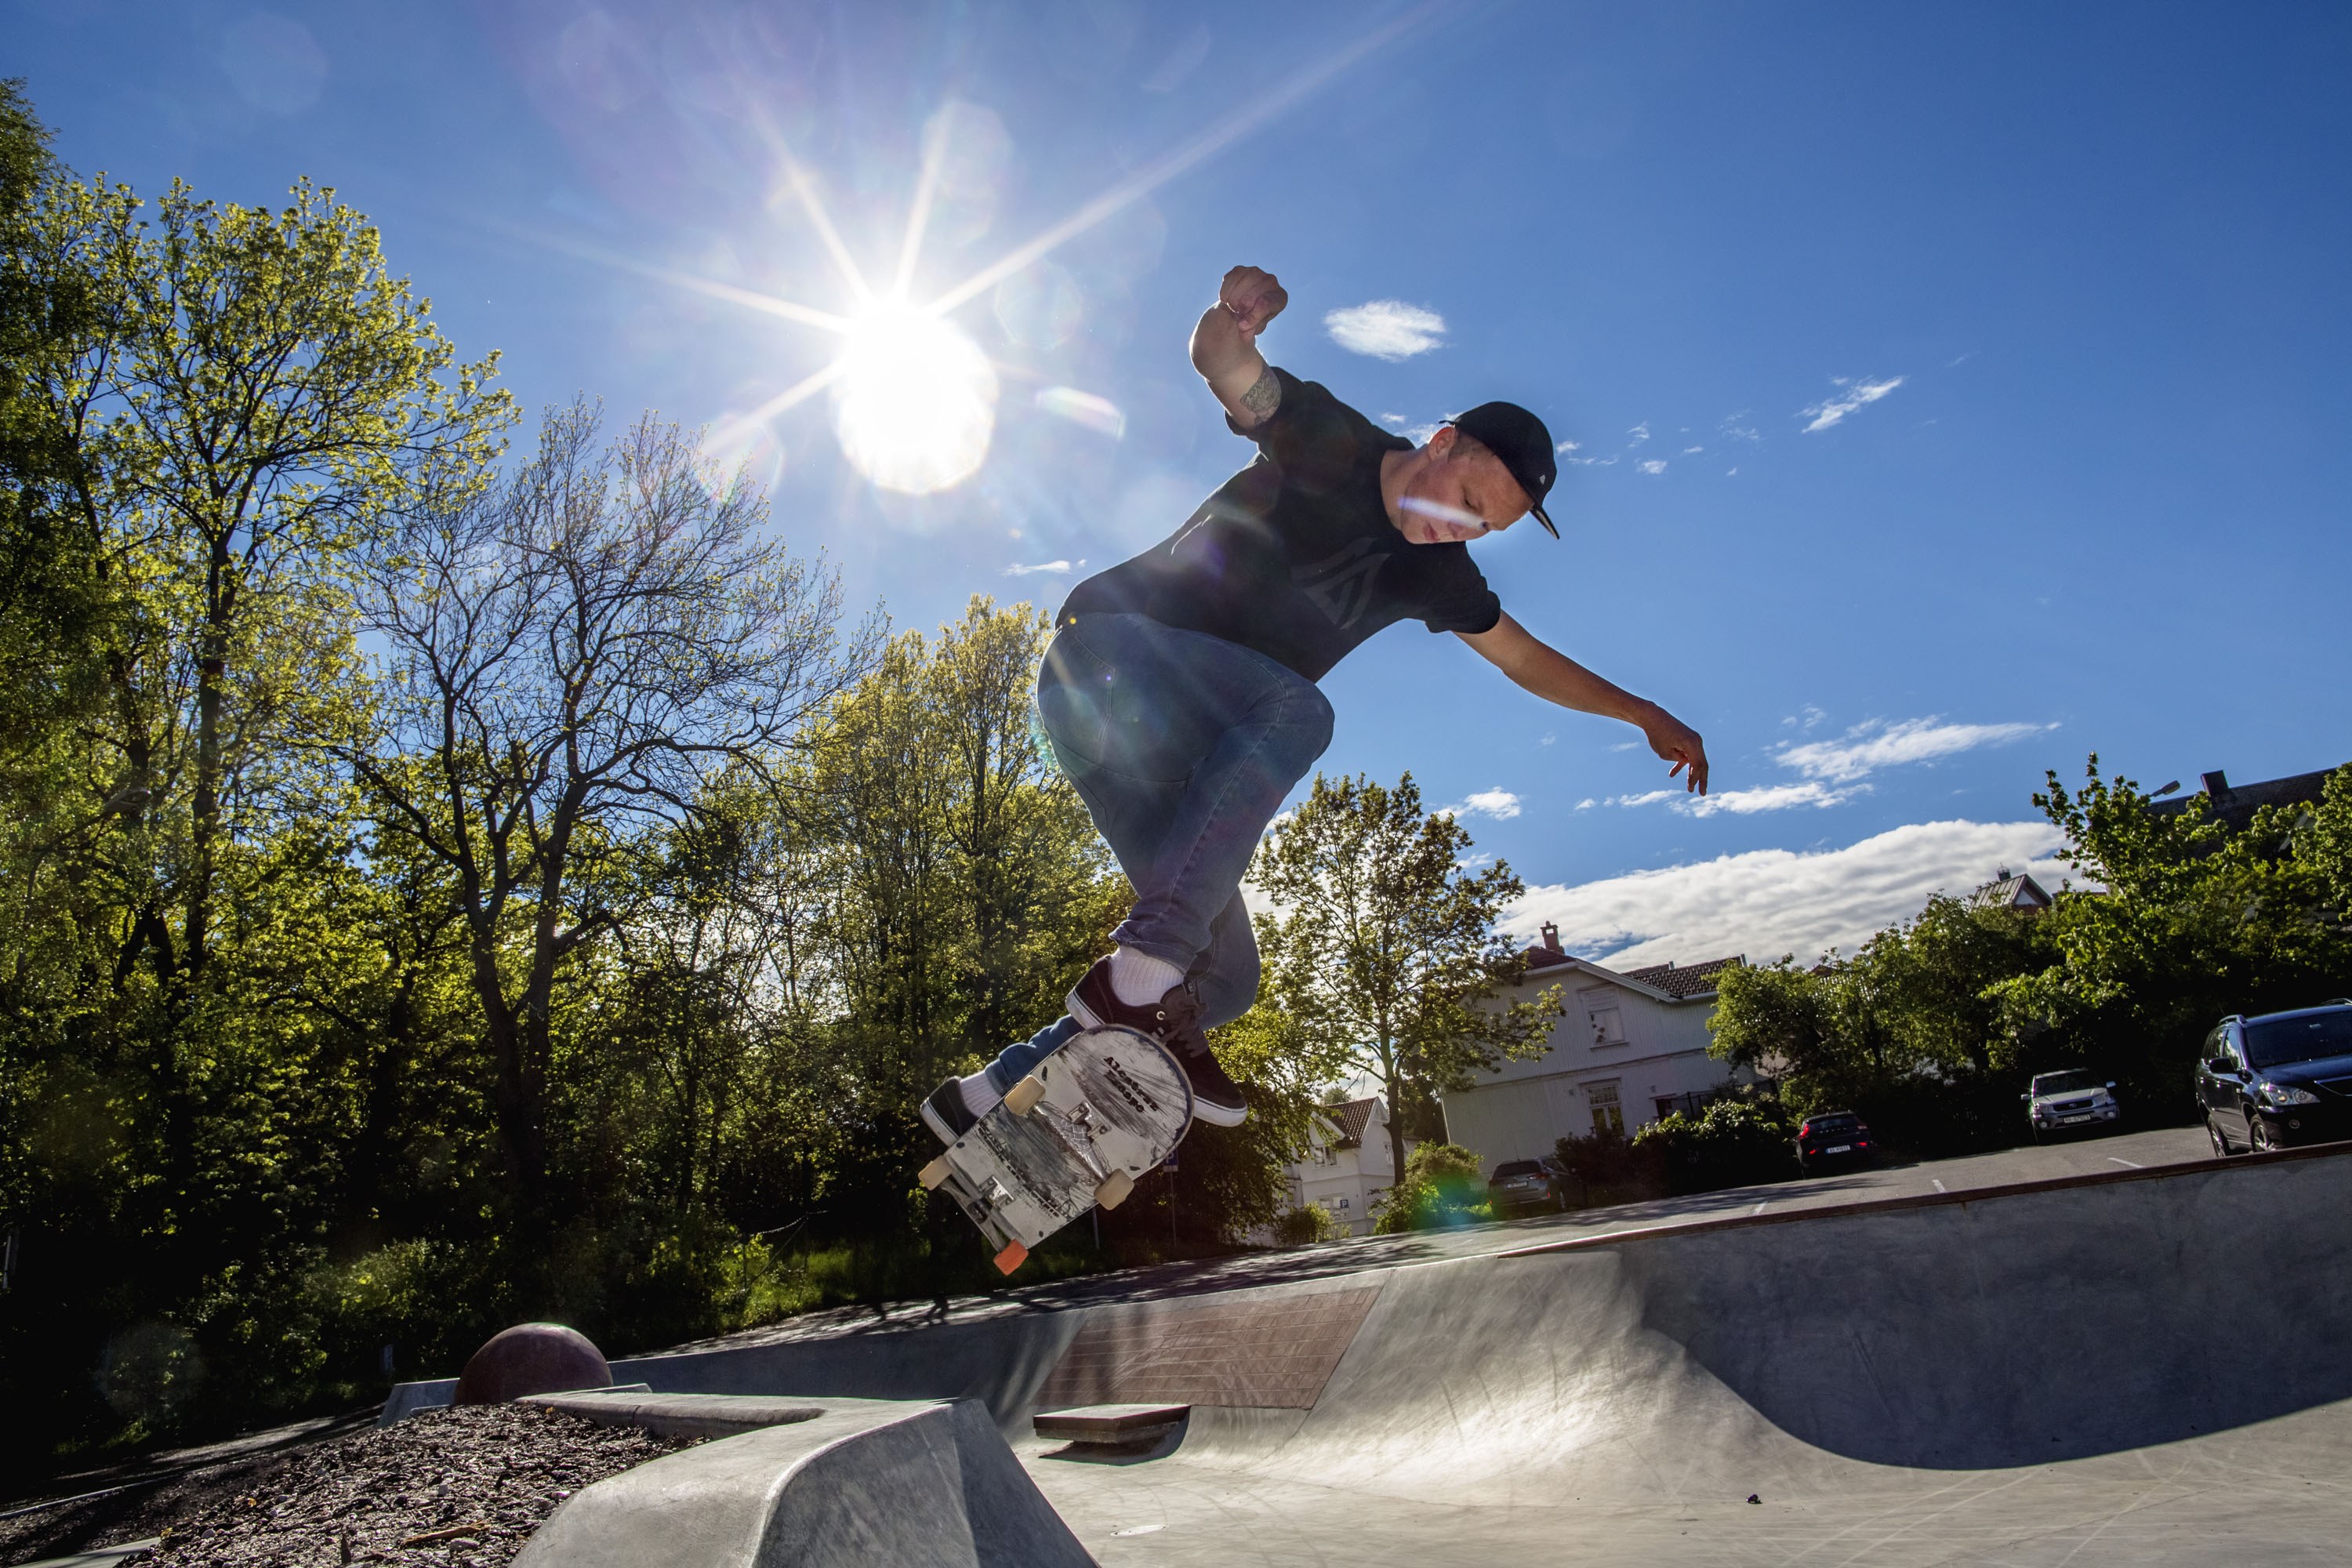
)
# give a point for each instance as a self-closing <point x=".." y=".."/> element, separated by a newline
<point x="1139" y="979"/>
<point x="979" y="1096"/>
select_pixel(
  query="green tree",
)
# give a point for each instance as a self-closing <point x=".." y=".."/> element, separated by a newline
<point x="571" y="658"/>
<point x="1385" y="948"/>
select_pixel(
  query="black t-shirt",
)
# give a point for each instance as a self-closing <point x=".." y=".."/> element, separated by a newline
<point x="1295" y="556"/>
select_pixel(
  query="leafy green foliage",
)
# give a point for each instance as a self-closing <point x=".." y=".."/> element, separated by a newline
<point x="1732" y="1142"/>
<point x="1305" y="1226"/>
<point x="1443" y="1185"/>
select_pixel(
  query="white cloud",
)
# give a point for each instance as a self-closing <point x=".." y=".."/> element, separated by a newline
<point x="1394" y="421"/>
<point x="1652" y="466"/>
<point x="1766" y="902"/>
<point x="1386" y="329"/>
<point x="1808" y="718"/>
<point x="1876" y="744"/>
<point x="1049" y="566"/>
<point x="1693" y="451"/>
<point x="1593" y="462"/>
<point x="1857" y="393"/>
<point x="1565" y="447"/>
<point x="1731" y="473"/>
<point x="1639" y="432"/>
<point x="1744" y="801"/>
<point x="1499" y="804"/>
<point x="1732" y="427"/>
<point x="1586" y="803"/>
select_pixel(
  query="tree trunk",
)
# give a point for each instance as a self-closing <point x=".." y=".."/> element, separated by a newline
<point x="211" y="664"/>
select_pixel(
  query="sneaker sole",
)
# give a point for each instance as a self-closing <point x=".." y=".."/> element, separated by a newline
<point x="938" y="1127"/>
<point x="1219" y="1115"/>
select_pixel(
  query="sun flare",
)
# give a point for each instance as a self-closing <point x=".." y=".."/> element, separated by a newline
<point x="915" y="405"/>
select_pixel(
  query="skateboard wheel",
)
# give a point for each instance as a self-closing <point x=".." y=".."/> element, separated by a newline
<point x="934" y="1173"/>
<point x="1024" y="1098"/>
<point x="1114" y="1189"/>
<point x="1013" y="1255"/>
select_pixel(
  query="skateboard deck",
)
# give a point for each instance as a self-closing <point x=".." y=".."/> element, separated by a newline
<point x="1099" y="1113"/>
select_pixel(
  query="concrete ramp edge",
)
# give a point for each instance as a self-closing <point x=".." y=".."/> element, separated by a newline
<point x="867" y="1481"/>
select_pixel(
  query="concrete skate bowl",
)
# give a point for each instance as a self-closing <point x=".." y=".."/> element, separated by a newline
<point x="1838" y="1350"/>
<point x="1992" y="1366"/>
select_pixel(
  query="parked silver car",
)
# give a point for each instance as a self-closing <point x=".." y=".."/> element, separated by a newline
<point x="2071" y="1102"/>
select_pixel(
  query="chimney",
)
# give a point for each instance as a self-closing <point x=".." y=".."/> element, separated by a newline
<point x="2217" y="784"/>
<point x="1552" y="937"/>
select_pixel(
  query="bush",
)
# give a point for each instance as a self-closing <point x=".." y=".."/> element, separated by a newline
<point x="1444" y="1186"/>
<point x="1305" y="1226"/>
<point x="1732" y="1144"/>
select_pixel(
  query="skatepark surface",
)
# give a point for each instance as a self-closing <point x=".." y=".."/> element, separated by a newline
<point x="2112" y="1352"/>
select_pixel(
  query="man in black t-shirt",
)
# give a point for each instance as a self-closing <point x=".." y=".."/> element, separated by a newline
<point x="1180" y="690"/>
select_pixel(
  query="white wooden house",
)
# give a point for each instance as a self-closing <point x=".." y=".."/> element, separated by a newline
<point x="1629" y="1047"/>
<point x="1350" y="1161"/>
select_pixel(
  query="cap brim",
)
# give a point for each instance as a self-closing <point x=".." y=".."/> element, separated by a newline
<point x="1537" y="514"/>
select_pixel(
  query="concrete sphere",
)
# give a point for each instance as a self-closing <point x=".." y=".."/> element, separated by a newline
<point x="532" y="1358"/>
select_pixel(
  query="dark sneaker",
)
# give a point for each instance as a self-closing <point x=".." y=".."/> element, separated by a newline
<point x="1094" y="1003"/>
<point x="1216" y="1098"/>
<point x="1175" y="1022"/>
<point x="945" y="1112"/>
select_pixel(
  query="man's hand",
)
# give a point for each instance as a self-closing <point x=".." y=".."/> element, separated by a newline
<point x="1680" y="744"/>
<point x="1254" y="297"/>
<point x="1225" y="344"/>
<point x="1556" y="678"/>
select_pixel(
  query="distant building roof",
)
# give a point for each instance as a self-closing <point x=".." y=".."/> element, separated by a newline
<point x="1688" y="980"/>
<point x="2235" y="804"/>
<point x="1351" y="1118"/>
<point x="2007" y="893"/>
<point x="1680" y="981"/>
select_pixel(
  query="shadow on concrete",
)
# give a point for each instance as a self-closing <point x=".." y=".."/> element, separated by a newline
<point x="2037" y="1326"/>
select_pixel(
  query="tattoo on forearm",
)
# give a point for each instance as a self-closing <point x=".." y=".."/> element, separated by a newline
<point x="1265" y="395"/>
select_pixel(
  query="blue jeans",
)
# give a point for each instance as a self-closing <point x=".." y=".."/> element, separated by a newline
<point x="1182" y="746"/>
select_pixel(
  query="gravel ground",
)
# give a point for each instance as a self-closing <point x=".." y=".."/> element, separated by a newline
<point x="461" y="1488"/>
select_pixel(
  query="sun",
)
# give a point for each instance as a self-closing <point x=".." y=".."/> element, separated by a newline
<point x="915" y="404"/>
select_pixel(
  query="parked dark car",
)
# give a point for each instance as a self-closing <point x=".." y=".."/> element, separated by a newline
<point x="2070" y="1101"/>
<point x="1833" y="1138"/>
<point x="2278" y="1080"/>
<point x="1522" y="1186"/>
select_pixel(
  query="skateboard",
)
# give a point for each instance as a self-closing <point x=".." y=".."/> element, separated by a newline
<point x="1109" y="1106"/>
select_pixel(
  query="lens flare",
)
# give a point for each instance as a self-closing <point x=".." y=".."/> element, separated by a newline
<point x="916" y="403"/>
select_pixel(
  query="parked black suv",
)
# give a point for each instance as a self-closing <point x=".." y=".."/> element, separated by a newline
<point x="1833" y="1138"/>
<point x="2277" y="1079"/>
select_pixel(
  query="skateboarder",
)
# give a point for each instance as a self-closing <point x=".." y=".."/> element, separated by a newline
<point x="1179" y="695"/>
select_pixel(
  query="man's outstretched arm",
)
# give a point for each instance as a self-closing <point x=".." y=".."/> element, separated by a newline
<point x="1225" y="344"/>
<point x="1556" y="678"/>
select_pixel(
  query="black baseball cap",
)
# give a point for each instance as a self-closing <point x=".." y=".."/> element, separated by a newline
<point x="1519" y="438"/>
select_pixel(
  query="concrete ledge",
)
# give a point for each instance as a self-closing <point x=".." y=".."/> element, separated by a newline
<point x="680" y="1414"/>
<point x="868" y="1481"/>
<point x="407" y="1398"/>
<point x="1125" y="1425"/>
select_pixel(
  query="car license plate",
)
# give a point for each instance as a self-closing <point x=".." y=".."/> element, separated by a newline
<point x="1839" y="1149"/>
<point x="2084" y="1117"/>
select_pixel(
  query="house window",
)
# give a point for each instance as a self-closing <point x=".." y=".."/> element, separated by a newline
<point x="1601" y="1015"/>
<point x="1607" y="1115"/>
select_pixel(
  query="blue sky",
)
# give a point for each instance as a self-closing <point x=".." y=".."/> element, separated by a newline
<point x="1956" y="391"/>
